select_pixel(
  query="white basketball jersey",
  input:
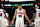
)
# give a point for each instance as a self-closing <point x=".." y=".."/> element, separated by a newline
<point x="38" y="13"/>
<point x="1" y="14"/>
<point x="20" y="14"/>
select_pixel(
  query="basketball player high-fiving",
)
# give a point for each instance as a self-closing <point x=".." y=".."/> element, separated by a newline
<point x="19" y="15"/>
<point x="36" y="16"/>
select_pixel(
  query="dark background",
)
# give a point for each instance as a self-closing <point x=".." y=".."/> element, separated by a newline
<point x="10" y="11"/>
<point x="29" y="9"/>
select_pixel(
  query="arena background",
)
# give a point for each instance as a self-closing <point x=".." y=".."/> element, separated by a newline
<point x="10" y="7"/>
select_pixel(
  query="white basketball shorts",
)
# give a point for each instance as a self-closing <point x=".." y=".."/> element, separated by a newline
<point x="19" y="23"/>
<point x="37" y="23"/>
<point x="5" y="22"/>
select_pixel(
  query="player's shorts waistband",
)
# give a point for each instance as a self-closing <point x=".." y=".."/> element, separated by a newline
<point x="19" y="18"/>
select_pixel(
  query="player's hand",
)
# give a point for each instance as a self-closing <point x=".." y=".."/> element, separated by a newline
<point x="30" y="22"/>
<point x="12" y="22"/>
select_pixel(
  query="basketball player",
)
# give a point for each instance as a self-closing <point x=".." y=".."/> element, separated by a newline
<point x="19" y="15"/>
<point x="36" y="16"/>
<point x="6" y="19"/>
<point x="3" y="20"/>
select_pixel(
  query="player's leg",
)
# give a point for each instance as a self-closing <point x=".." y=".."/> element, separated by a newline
<point x="17" y="23"/>
<point x="21" y="23"/>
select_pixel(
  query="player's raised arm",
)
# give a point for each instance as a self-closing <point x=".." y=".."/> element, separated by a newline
<point x="14" y="16"/>
<point x="26" y="16"/>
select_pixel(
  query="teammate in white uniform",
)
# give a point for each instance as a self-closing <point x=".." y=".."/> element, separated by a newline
<point x="1" y="16"/>
<point x="37" y="17"/>
<point x="8" y="18"/>
<point x="3" y="20"/>
<point x="19" y="15"/>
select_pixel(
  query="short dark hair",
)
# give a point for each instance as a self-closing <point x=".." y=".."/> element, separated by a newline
<point x="19" y="4"/>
